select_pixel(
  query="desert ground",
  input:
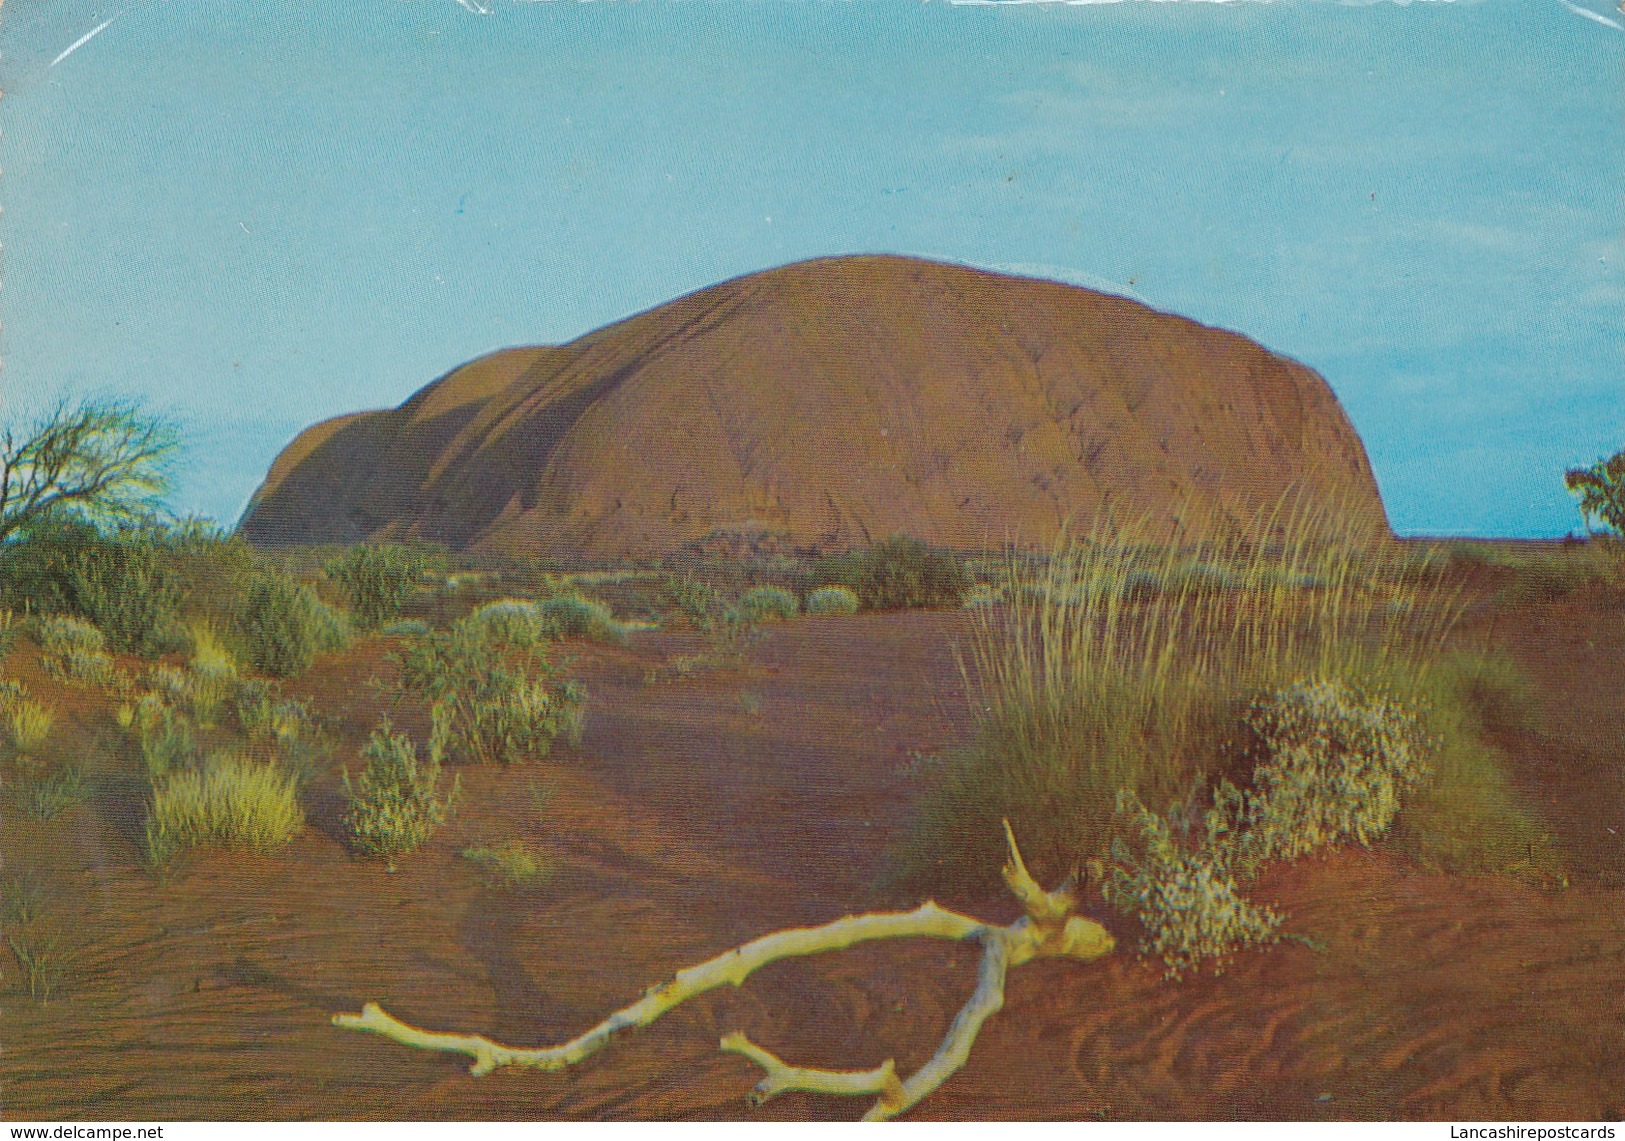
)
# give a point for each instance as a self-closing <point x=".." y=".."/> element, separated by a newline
<point x="699" y="812"/>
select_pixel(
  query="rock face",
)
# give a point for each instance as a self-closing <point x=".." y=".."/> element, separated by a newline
<point x="826" y="405"/>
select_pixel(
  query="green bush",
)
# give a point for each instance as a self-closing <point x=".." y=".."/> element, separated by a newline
<point x="395" y="804"/>
<point x="267" y="717"/>
<point x="899" y="574"/>
<point x="73" y="648"/>
<point x="696" y="602"/>
<point x="377" y="579"/>
<point x="1188" y="902"/>
<point x="233" y="801"/>
<point x="498" y="702"/>
<point x="121" y="582"/>
<point x="63" y="635"/>
<point x="511" y="622"/>
<point x="572" y="616"/>
<point x="213" y="569"/>
<point x="1339" y="764"/>
<point x="1601" y="488"/>
<point x="202" y="688"/>
<point x="333" y="631"/>
<point x="832" y="600"/>
<point x="163" y="735"/>
<point x="767" y="604"/>
<point x="280" y="625"/>
<point x="1335" y="765"/>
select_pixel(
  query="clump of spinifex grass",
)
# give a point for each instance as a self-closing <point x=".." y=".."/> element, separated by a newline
<point x="511" y="863"/>
<point x="232" y="801"/>
<point x="45" y="960"/>
<point x="1118" y="664"/>
<point x="28" y="725"/>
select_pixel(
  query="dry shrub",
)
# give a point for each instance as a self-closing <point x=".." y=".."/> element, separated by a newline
<point x="511" y="863"/>
<point x="574" y="616"/>
<point x="768" y="604"/>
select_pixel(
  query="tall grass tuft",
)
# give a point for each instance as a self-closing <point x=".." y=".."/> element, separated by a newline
<point x="1468" y="817"/>
<point x="29" y="724"/>
<point x="232" y="801"/>
<point x="47" y="795"/>
<point x="832" y="600"/>
<point x="1117" y="664"/>
<point x="45" y="960"/>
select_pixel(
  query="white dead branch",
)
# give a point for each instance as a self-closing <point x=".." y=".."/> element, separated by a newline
<point x="1047" y="930"/>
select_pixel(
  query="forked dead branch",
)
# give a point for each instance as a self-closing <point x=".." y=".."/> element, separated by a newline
<point x="1048" y="930"/>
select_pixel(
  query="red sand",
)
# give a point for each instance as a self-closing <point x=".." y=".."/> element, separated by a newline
<point x="700" y="814"/>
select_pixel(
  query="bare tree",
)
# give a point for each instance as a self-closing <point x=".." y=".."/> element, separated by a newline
<point x="102" y="459"/>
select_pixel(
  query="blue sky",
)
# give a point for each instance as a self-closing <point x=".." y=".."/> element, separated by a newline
<point x="261" y="216"/>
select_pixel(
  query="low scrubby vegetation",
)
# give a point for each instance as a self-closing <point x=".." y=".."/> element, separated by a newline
<point x="832" y="600"/>
<point x="395" y="803"/>
<point x="120" y="581"/>
<point x="148" y="588"/>
<point x="488" y="681"/>
<point x="898" y="574"/>
<point x="282" y="625"/>
<point x="768" y="604"/>
<point x="231" y="800"/>
<point x="510" y="863"/>
<point x="377" y="580"/>
<point x="73" y="649"/>
<point x="1119" y="667"/>
<point x="575" y="616"/>
<point x="1184" y="714"/>
<point x="1333" y="766"/>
